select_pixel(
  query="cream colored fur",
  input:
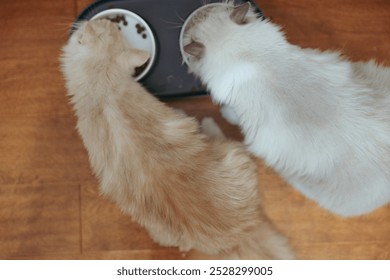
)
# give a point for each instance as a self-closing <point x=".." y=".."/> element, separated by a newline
<point x="186" y="189"/>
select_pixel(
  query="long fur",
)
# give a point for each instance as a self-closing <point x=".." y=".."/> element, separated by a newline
<point x="186" y="189"/>
<point x="321" y="121"/>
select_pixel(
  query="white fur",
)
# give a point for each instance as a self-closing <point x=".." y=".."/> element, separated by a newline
<point x="319" y="120"/>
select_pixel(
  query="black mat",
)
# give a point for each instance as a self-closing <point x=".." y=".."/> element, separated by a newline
<point x="168" y="77"/>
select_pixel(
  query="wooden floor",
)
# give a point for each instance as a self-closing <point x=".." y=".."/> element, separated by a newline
<point x="49" y="204"/>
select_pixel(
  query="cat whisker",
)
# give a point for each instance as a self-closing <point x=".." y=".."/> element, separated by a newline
<point x="173" y="25"/>
<point x="92" y="10"/>
<point x="204" y="2"/>
<point x="180" y="17"/>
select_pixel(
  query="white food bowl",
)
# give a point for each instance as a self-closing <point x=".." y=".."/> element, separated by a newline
<point x="136" y="31"/>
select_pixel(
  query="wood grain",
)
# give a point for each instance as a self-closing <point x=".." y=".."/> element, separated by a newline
<point x="359" y="29"/>
<point x="40" y="219"/>
<point x="50" y="207"/>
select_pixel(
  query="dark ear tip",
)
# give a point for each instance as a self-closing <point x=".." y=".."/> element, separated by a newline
<point x="243" y="7"/>
<point x="194" y="48"/>
<point x="186" y="48"/>
<point x="239" y="12"/>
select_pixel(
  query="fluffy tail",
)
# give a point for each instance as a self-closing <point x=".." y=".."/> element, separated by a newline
<point x="263" y="242"/>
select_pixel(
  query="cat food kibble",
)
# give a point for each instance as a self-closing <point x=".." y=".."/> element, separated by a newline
<point x="118" y="19"/>
<point x="141" y="30"/>
<point x="121" y="18"/>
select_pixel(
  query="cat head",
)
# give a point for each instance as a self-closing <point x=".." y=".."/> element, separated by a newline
<point x="214" y="42"/>
<point x="209" y="26"/>
<point x="98" y="45"/>
<point x="226" y="45"/>
<point x="209" y="18"/>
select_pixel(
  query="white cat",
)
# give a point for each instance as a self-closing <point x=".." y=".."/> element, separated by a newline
<point x="321" y="121"/>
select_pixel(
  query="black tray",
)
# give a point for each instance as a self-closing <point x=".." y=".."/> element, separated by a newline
<point x="168" y="76"/>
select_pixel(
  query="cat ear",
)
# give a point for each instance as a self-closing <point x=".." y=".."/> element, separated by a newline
<point x="195" y="49"/>
<point x="88" y="28"/>
<point x="132" y="58"/>
<point x="89" y="33"/>
<point x="239" y="13"/>
<point x="139" y="57"/>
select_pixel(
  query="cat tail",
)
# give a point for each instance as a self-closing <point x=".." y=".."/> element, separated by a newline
<point x="263" y="242"/>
